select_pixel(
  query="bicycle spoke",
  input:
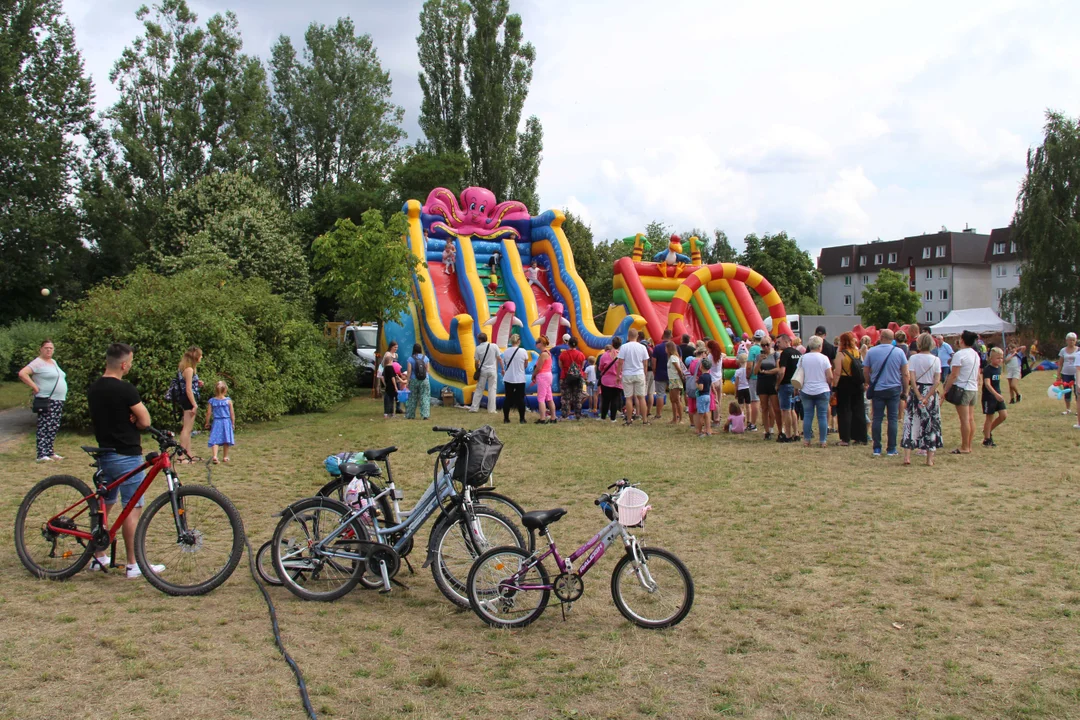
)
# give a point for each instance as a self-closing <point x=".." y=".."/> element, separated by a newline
<point x="657" y="593"/>
<point x="48" y="553"/>
<point x="203" y="555"/>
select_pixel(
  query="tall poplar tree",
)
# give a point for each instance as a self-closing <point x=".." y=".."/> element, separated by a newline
<point x="1046" y="229"/>
<point x="475" y="75"/>
<point x="46" y="102"/>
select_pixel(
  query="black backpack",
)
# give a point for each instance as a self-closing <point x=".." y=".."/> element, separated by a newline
<point x="856" y="368"/>
<point x="421" y="368"/>
<point x="573" y="375"/>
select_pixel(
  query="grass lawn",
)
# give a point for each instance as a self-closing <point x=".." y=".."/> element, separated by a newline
<point x="14" y="394"/>
<point x="828" y="584"/>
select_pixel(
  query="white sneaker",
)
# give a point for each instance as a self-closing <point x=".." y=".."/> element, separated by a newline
<point x="1076" y="426"/>
<point x="97" y="564"/>
<point x="57" y="457"/>
<point x="44" y="458"/>
<point x="134" y="571"/>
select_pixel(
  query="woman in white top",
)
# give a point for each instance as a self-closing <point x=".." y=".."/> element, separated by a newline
<point x="965" y="374"/>
<point x="922" y="421"/>
<point x="1067" y="366"/>
<point x="817" y="381"/>
<point x="49" y="383"/>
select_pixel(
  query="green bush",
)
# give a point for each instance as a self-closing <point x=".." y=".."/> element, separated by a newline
<point x="20" y="342"/>
<point x="271" y="355"/>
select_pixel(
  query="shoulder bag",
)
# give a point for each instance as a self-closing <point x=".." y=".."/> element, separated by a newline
<point x="874" y="379"/>
<point x="476" y="375"/>
<point x="798" y="376"/>
<point x="956" y="393"/>
<point x="41" y="404"/>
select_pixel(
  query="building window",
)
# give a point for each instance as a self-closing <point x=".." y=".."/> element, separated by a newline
<point x="928" y="295"/>
<point x="999" y="248"/>
<point x="1000" y="292"/>
<point x="847" y="299"/>
<point x="862" y="260"/>
<point x="926" y="253"/>
<point x="1000" y="270"/>
<point x="845" y="261"/>
<point x="847" y="279"/>
<point x="939" y="251"/>
<point x="943" y="294"/>
<point x="865" y="279"/>
<point x="877" y="259"/>
<point x="942" y="314"/>
<point x="892" y="257"/>
<point x="929" y="273"/>
<point x="943" y="272"/>
<point x="929" y="317"/>
<point x="1017" y="273"/>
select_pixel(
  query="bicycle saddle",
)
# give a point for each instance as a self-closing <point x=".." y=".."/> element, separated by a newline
<point x="540" y="519"/>
<point x="380" y="454"/>
<point x="357" y="469"/>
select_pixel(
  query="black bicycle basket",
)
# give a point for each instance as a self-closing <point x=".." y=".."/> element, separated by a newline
<point x="477" y="457"/>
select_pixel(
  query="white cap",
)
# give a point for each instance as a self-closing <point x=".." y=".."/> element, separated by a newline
<point x="758" y="334"/>
<point x="566" y="337"/>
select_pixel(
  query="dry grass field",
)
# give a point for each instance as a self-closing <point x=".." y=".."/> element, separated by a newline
<point x="828" y="584"/>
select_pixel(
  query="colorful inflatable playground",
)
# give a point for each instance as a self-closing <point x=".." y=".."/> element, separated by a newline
<point x="491" y="267"/>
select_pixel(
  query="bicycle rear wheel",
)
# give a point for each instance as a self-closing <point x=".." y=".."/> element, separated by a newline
<point x="304" y="570"/>
<point x="199" y="558"/>
<point x="657" y="594"/>
<point x="47" y="554"/>
<point x="508" y="508"/>
<point x="498" y="603"/>
<point x="455" y="551"/>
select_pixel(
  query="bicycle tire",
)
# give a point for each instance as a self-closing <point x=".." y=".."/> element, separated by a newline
<point x="510" y="509"/>
<point x="189" y="554"/>
<point x="264" y="565"/>
<point x="617" y="594"/>
<point x="486" y="574"/>
<point x="453" y="581"/>
<point x="84" y="548"/>
<point x="294" y="515"/>
<point x="336" y="489"/>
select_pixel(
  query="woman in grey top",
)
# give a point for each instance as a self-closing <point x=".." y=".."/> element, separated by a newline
<point x="44" y="376"/>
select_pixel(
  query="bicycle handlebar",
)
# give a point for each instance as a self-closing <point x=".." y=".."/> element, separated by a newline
<point x="435" y="449"/>
<point x="167" y="440"/>
<point x="451" y="430"/>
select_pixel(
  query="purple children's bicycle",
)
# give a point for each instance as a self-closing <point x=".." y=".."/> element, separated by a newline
<point x="509" y="587"/>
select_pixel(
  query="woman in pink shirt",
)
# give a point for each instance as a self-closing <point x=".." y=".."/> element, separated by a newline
<point x="542" y="378"/>
<point x="607" y="369"/>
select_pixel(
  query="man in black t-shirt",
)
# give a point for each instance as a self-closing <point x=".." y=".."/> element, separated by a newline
<point x="827" y="348"/>
<point x="789" y="360"/>
<point x="686" y="350"/>
<point x="118" y="414"/>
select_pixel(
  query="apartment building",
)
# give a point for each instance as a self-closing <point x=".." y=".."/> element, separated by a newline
<point x="949" y="270"/>
<point x="1003" y="259"/>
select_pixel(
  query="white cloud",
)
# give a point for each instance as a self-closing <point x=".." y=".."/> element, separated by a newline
<point x="835" y="121"/>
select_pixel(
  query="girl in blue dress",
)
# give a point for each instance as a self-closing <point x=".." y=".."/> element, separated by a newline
<point x="220" y="411"/>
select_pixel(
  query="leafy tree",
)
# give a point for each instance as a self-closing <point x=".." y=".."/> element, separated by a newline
<point x="715" y="249"/>
<point x="366" y="267"/>
<point x="586" y="260"/>
<point x="600" y="286"/>
<point x="332" y="115"/>
<point x="1046" y="229"/>
<point x="190" y="103"/>
<point x="45" y="106"/>
<point x="264" y="346"/>
<point x="422" y="170"/>
<point x="657" y="235"/>
<point x="233" y="222"/>
<point x="888" y="299"/>
<point x="475" y="75"/>
<point x="789" y="268"/>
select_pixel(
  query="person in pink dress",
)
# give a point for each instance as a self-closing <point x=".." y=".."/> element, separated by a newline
<point x="545" y="401"/>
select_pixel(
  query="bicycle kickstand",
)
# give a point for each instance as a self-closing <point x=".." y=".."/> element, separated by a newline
<point x="112" y="555"/>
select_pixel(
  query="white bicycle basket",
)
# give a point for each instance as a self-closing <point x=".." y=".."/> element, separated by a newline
<point x="632" y="505"/>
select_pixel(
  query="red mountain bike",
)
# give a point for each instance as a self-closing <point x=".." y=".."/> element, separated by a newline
<point x="199" y="537"/>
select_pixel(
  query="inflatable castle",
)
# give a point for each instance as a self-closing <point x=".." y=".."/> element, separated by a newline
<point x="491" y="267"/>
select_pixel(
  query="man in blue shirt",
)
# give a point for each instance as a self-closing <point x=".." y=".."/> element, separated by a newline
<point x="885" y="369"/>
<point x="943" y="351"/>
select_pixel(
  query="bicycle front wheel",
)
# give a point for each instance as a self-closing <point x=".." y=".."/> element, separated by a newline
<point x="498" y="601"/>
<point x="655" y="593"/>
<point x="44" y="552"/>
<point x="264" y="565"/>
<point x="455" y="551"/>
<point x="193" y="551"/>
<point x="304" y="569"/>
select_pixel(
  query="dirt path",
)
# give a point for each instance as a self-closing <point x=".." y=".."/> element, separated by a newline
<point x="14" y="424"/>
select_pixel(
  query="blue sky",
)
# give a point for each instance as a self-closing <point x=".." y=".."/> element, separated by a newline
<point x="836" y="121"/>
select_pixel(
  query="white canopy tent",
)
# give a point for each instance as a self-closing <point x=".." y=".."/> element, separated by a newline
<point x="977" y="320"/>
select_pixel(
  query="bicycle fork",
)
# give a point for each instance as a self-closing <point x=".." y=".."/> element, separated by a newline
<point x="179" y="518"/>
<point x="641" y="566"/>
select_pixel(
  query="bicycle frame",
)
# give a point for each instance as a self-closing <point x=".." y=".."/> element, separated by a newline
<point x="596" y="547"/>
<point x="160" y="463"/>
